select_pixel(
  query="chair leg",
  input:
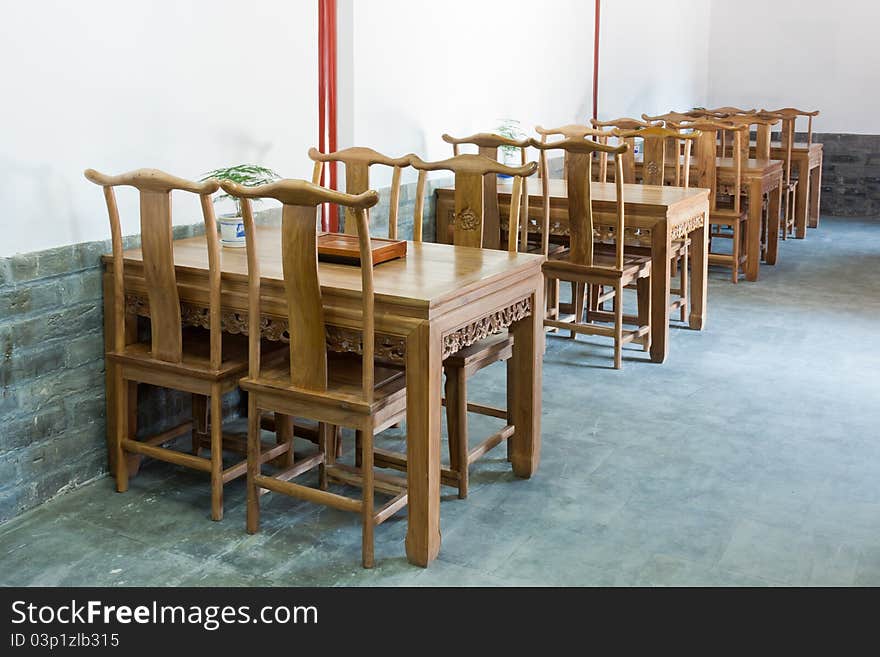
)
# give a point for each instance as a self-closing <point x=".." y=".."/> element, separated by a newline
<point x="284" y="435"/>
<point x="200" y="422"/>
<point x="511" y="401"/>
<point x="216" y="453"/>
<point x="337" y="441"/>
<point x="324" y="433"/>
<point x="618" y="325"/>
<point x="577" y="302"/>
<point x="735" y="251"/>
<point x="643" y="293"/>
<point x="368" y="517"/>
<point x="456" y="422"/>
<point x="685" y="293"/>
<point x="121" y="462"/>
<point x="253" y="466"/>
<point x="357" y="449"/>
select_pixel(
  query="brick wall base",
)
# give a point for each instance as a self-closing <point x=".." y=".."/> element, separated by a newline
<point x="850" y="175"/>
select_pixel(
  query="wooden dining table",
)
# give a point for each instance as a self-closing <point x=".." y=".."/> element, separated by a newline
<point x="431" y="303"/>
<point x="655" y="216"/>
<point x="759" y="178"/>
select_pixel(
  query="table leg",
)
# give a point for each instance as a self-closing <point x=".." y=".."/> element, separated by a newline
<point x="753" y="231"/>
<point x="526" y="363"/>
<point x="773" y="224"/>
<point x="424" y="369"/>
<point x="699" y="275"/>
<point x="661" y="274"/>
<point x="815" y="192"/>
<point x="802" y="200"/>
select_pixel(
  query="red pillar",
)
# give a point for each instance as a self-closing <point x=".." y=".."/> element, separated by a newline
<point x="327" y="99"/>
<point x="596" y="65"/>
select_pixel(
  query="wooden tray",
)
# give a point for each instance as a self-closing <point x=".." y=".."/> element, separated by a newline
<point x="345" y="249"/>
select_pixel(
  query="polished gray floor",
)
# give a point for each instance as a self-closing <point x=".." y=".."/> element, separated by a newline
<point x="751" y="457"/>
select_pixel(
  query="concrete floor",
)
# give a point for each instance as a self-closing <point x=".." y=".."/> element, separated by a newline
<point x="752" y="457"/>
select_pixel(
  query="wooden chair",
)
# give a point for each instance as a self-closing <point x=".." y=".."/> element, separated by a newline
<point x="357" y="162"/>
<point x="582" y="263"/>
<point x="206" y="364"/>
<point x="733" y="215"/>
<point x="665" y="148"/>
<point x="337" y="390"/>
<point x="578" y="131"/>
<point x="789" y="116"/>
<point x="762" y="123"/>
<point x="470" y="210"/>
<point x="487" y="145"/>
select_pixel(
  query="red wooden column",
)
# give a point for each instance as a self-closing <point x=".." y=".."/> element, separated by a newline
<point x="327" y="101"/>
<point x="596" y="65"/>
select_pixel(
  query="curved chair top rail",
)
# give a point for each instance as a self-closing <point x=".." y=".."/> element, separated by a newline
<point x="301" y="192"/>
<point x="486" y="140"/>
<point x="580" y="146"/>
<point x="677" y="116"/>
<point x="471" y="163"/>
<point x="789" y="112"/>
<point x="752" y="118"/>
<point x="358" y="155"/>
<point x="656" y="131"/>
<point x="152" y="180"/>
<point x="572" y="131"/>
<point x="726" y="111"/>
<point x="623" y="123"/>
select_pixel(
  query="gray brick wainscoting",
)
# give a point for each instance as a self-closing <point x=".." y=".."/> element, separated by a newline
<point x="52" y="408"/>
<point x="850" y="174"/>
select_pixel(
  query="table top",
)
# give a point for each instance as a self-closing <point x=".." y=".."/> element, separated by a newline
<point x="647" y="195"/>
<point x="429" y="275"/>
<point x="797" y="146"/>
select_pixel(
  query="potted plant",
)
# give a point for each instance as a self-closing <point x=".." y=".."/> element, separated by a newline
<point x="249" y="175"/>
<point x="510" y="128"/>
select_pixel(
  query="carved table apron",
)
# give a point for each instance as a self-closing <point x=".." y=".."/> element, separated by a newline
<point x="654" y="217"/>
<point x="432" y="303"/>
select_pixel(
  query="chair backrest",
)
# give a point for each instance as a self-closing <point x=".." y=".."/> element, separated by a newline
<point x="487" y="144"/>
<point x="357" y="162"/>
<point x="299" y="258"/>
<point x="706" y="158"/>
<point x="662" y="147"/>
<point x="155" y="189"/>
<point x="762" y="122"/>
<point x="580" y="208"/>
<point x="577" y="131"/>
<point x="470" y="171"/>
<point x="789" y="116"/>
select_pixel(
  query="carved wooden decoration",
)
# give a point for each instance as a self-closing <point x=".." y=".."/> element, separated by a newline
<point x="489" y="325"/>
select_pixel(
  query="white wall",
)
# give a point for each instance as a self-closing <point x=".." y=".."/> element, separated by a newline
<point x="422" y="68"/>
<point x="653" y="56"/>
<point x="181" y="86"/>
<point x="799" y="53"/>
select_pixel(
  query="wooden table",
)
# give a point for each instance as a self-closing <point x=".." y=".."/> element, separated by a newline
<point x="759" y="177"/>
<point x="654" y="217"/>
<point x="435" y="301"/>
<point x="806" y="162"/>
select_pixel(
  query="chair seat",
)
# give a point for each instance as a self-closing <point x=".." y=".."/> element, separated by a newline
<point x="604" y="264"/>
<point x="196" y="355"/>
<point x="344" y="374"/>
<point x="486" y="351"/>
<point x="727" y="216"/>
